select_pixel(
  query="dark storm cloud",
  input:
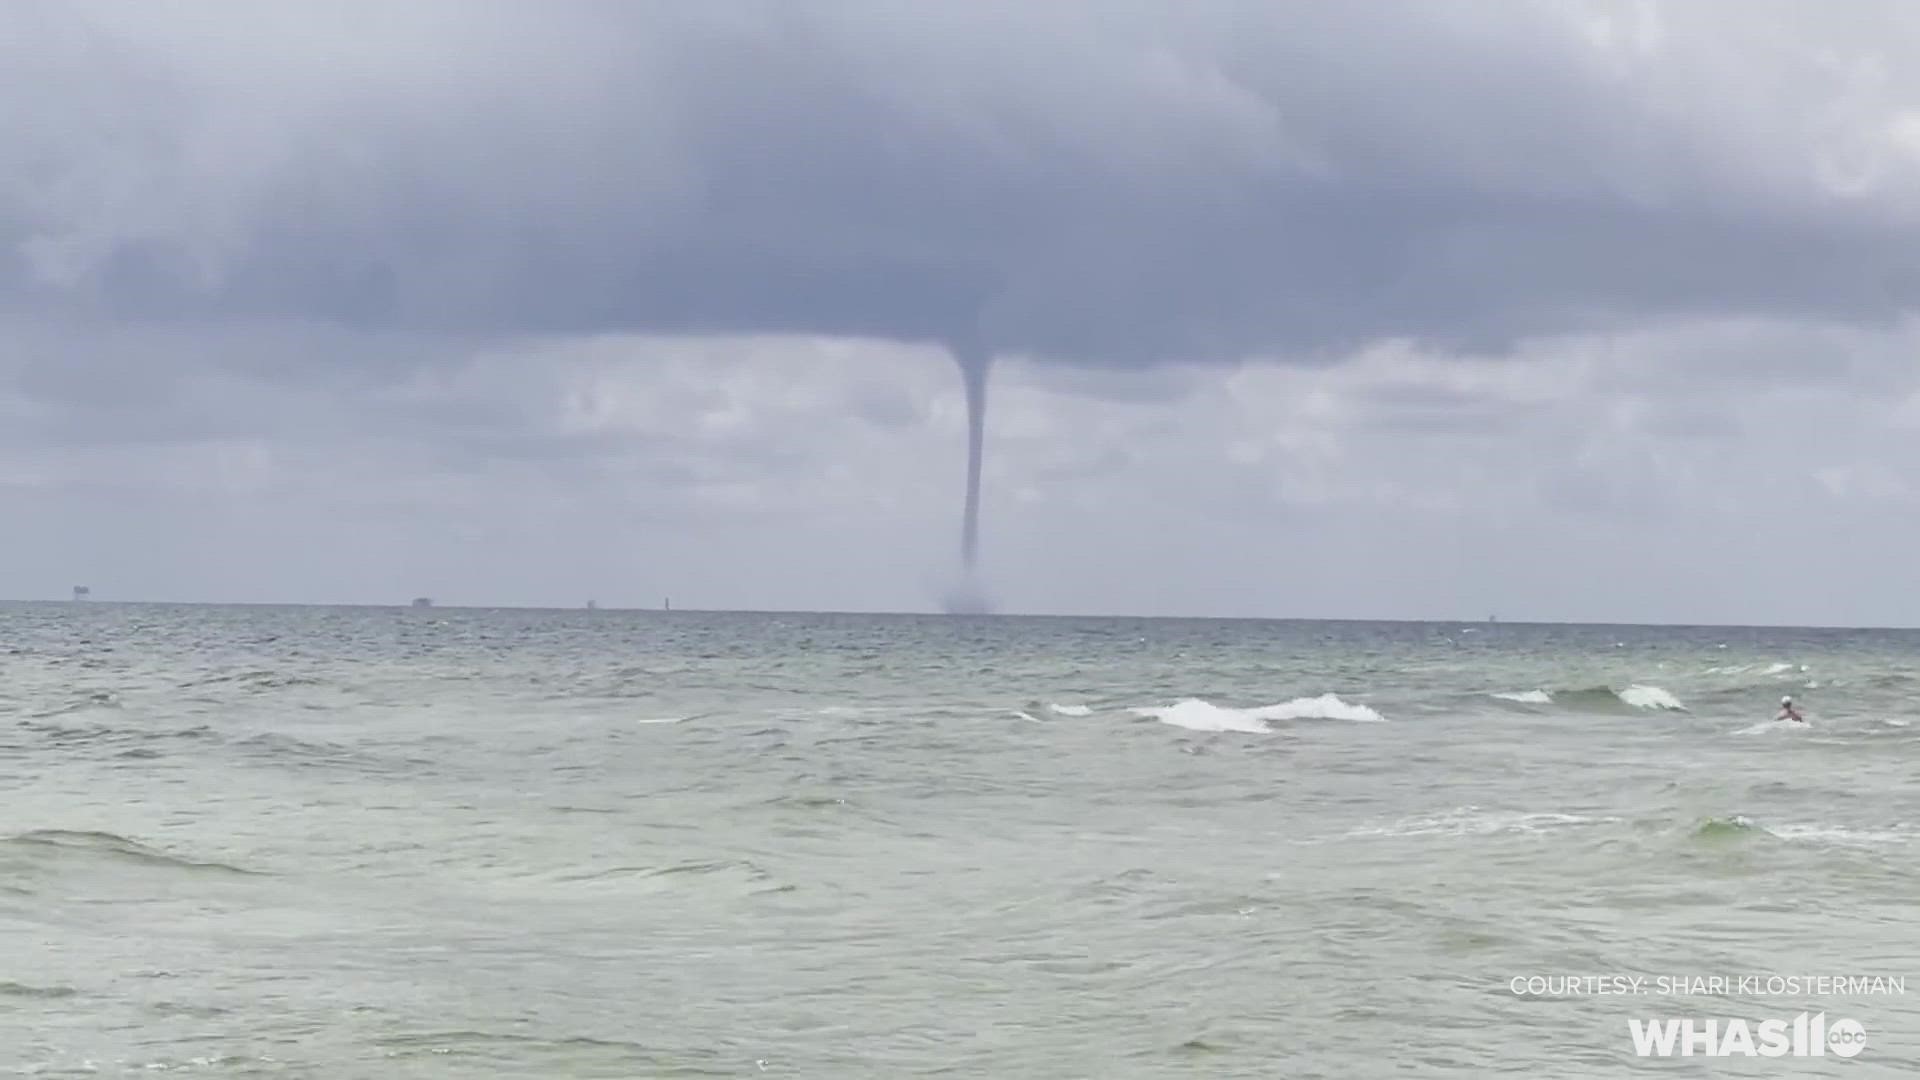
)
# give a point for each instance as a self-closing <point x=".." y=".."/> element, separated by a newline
<point x="1100" y="183"/>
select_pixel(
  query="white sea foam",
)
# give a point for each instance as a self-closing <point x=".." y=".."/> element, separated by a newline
<point x="1853" y="838"/>
<point x="1198" y="715"/>
<point x="1768" y="727"/>
<point x="1780" y="668"/>
<point x="1070" y="710"/>
<point x="1650" y="697"/>
<point x="1472" y="821"/>
<point x="1528" y="697"/>
<point x="663" y="720"/>
<point x="1324" y="707"/>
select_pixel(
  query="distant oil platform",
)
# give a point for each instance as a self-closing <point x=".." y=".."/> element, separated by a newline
<point x="423" y="601"/>
<point x="82" y="592"/>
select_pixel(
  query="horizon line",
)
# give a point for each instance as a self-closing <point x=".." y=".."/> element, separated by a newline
<point x="1474" y="624"/>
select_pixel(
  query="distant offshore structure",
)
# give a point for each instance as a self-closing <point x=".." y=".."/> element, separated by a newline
<point x="82" y="592"/>
<point x="423" y="601"/>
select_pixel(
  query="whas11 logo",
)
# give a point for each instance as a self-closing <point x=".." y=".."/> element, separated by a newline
<point x="1803" y="1036"/>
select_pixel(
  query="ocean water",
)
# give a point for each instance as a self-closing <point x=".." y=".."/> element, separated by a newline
<point x="331" y="842"/>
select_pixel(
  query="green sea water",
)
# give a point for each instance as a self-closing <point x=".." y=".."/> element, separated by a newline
<point x="331" y="842"/>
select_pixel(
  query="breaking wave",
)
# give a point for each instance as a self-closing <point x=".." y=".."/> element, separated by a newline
<point x="1528" y="697"/>
<point x="1651" y="697"/>
<point x="1766" y="727"/>
<point x="1473" y="821"/>
<point x="1598" y="698"/>
<point x="1737" y="828"/>
<point x="1196" y="714"/>
<point x="1724" y="829"/>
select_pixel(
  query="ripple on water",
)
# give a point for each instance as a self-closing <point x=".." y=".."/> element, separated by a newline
<point x="105" y="847"/>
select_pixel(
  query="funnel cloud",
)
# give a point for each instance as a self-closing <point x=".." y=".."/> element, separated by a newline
<point x="970" y="596"/>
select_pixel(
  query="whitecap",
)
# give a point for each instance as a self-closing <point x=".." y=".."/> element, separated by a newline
<point x="1839" y="837"/>
<point x="1472" y="821"/>
<point x="1528" y="697"/>
<point x="664" y="720"/>
<point x="1766" y="727"/>
<point x="1324" y="707"/>
<point x="1070" y="710"/>
<point x="1650" y="697"/>
<point x="1197" y="715"/>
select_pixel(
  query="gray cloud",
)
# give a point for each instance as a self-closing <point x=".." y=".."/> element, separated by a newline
<point x="1089" y="182"/>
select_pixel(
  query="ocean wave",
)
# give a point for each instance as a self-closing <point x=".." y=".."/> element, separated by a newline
<point x="1765" y="670"/>
<point x="111" y="846"/>
<point x="256" y="680"/>
<point x="107" y="735"/>
<point x="1597" y="698"/>
<point x="1767" y="727"/>
<point x="1324" y="707"/>
<point x="1724" y="829"/>
<point x="1651" y="697"/>
<point x="97" y="699"/>
<point x="1196" y="714"/>
<point x="1473" y="821"/>
<point x="14" y="989"/>
<point x="130" y="742"/>
<point x="1527" y="697"/>
<point x="1034" y="710"/>
<point x="1734" y="828"/>
<point x="1836" y="836"/>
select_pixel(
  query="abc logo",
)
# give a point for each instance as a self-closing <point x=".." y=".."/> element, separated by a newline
<point x="1846" y="1038"/>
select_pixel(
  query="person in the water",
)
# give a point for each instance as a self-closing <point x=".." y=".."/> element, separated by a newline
<point x="1788" y="712"/>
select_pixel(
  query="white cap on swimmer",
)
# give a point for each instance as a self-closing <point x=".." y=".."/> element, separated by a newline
<point x="1786" y="701"/>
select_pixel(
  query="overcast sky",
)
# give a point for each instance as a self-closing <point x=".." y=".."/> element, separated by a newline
<point x="1584" y="311"/>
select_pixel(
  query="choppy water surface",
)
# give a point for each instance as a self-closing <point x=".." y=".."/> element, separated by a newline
<point x="392" y="843"/>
